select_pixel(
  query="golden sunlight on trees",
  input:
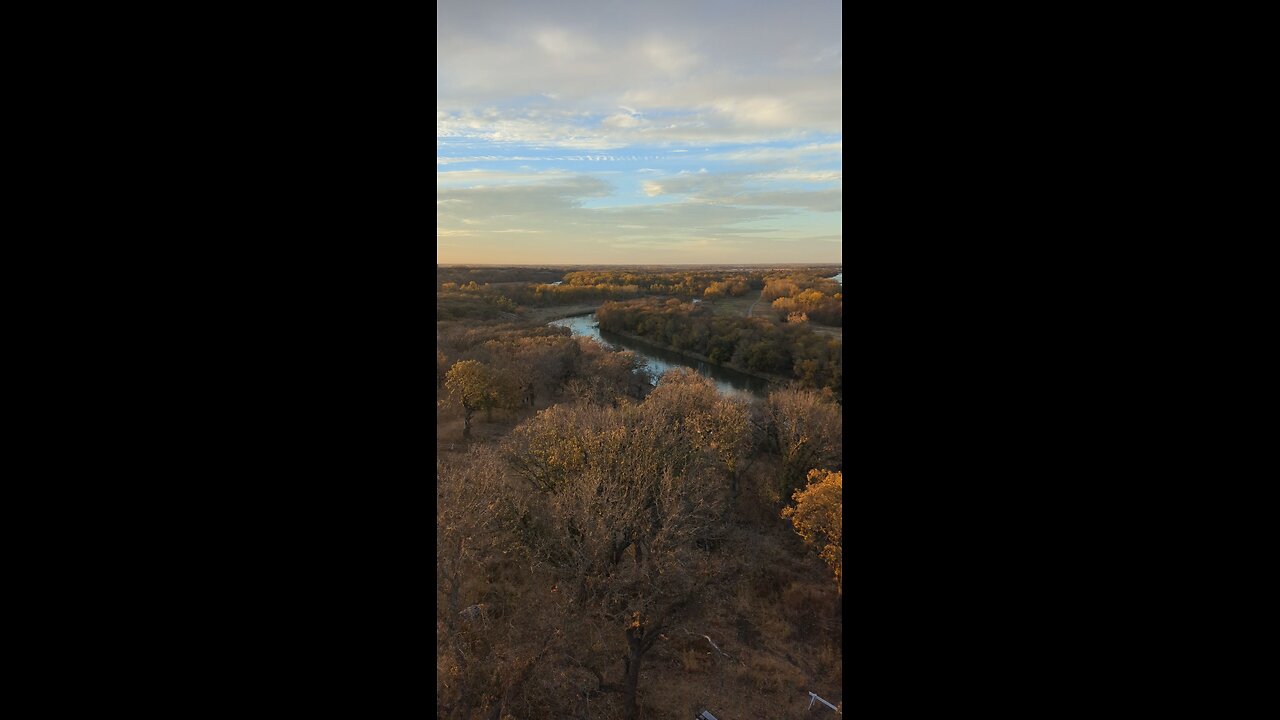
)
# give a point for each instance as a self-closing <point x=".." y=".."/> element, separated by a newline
<point x="817" y="518"/>
<point x="474" y="386"/>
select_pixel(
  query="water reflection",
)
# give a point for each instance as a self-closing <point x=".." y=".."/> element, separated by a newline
<point x="658" y="361"/>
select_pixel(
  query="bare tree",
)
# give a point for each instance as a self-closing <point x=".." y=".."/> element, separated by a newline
<point x="622" y="498"/>
<point x="805" y="430"/>
<point x="491" y="642"/>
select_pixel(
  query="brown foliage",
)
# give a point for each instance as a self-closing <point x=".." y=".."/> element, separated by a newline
<point x="805" y="429"/>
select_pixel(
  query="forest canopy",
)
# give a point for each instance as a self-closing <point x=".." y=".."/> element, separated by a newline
<point x="752" y="344"/>
<point x="612" y="544"/>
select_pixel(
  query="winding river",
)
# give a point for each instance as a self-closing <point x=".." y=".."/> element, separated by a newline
<point x="658" y="361"/>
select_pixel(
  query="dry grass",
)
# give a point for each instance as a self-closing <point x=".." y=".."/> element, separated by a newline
<point x="763" y="308"/>
<point x="774" y="614"/>
<point x="735" y="306"/>
<point x="833" y="332"/>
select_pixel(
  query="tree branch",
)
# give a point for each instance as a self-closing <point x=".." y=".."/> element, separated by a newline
<point x="717" y="648"/>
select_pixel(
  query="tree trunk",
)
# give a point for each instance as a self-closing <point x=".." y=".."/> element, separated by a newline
<point x="631" y="676"/>
<point x="466" y="422"/>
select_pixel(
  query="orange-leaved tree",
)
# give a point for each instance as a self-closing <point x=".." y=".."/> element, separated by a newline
<point x="817" y="518"/>
<point x="474" y="386"/>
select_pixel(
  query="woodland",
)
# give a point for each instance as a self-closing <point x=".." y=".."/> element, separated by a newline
<point x="611" y="547"/>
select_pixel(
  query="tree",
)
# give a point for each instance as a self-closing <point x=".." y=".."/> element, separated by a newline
<point x="708" y="419"/>
<point x="622" y="501"/>
<point x="805" y="430"/>
<point x="733" y="439"/>
<point x="817" y="518"/>
<point x="490" y="636"/>
<point x="472" y="384"/>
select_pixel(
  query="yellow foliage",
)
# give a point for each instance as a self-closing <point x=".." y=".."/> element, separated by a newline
<point x="817" y="517"/>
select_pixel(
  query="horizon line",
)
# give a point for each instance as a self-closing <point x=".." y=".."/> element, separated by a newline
<point x="581" y="264"/>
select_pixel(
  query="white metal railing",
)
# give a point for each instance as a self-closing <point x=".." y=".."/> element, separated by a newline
<point x="814" y="696"/>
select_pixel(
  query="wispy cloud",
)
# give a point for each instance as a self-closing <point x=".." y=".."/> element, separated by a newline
<point x="621" y="132"/>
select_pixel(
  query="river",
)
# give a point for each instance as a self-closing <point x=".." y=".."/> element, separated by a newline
<point x="659" y="360"/>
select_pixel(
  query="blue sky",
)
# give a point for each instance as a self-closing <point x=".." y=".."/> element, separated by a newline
<point x="608" y="132"/>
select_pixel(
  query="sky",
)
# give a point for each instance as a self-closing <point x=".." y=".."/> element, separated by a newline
<point x="638" y="132"/>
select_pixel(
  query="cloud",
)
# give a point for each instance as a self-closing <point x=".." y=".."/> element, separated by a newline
<point x="482" y="178"/>
<point x="472" y="159"/>
<point x="668" y="57"/>
<point x="621" y="120"/>
<point x="818" y="201"/>
<point x="737" y="73"/>
<point x="750" y="189"/>
<point x="800" y="175"/>
<point x="558" y="207"/>
<point x="792" y="154"/>
<point x="562" y="44"/>
<point x="537" y="103"/>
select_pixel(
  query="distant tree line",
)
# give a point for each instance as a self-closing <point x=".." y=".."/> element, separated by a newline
<point x="541" y="295"/>
<point x="463" y="275"/>
<point x="600" y="286"/>
<point x="805" y="296"/>
<point x="684" y="283"/>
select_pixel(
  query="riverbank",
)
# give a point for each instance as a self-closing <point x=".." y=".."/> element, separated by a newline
<point x="544" y="315"/>
<point x="702" y="358"/>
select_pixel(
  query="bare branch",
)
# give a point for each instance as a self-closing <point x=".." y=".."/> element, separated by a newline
<point x="717" y="647"/>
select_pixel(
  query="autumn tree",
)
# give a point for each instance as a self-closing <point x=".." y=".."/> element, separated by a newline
<point x="489" y="637"/>
<point x="622" y="502"/>
<point x="472" y="384"/>
<point x="604" y="377"/>
<point x="720" y="425"/>
<point x="817" y="518"/>
<point x="534" y="364"/>
<point x="805" y="429"/>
